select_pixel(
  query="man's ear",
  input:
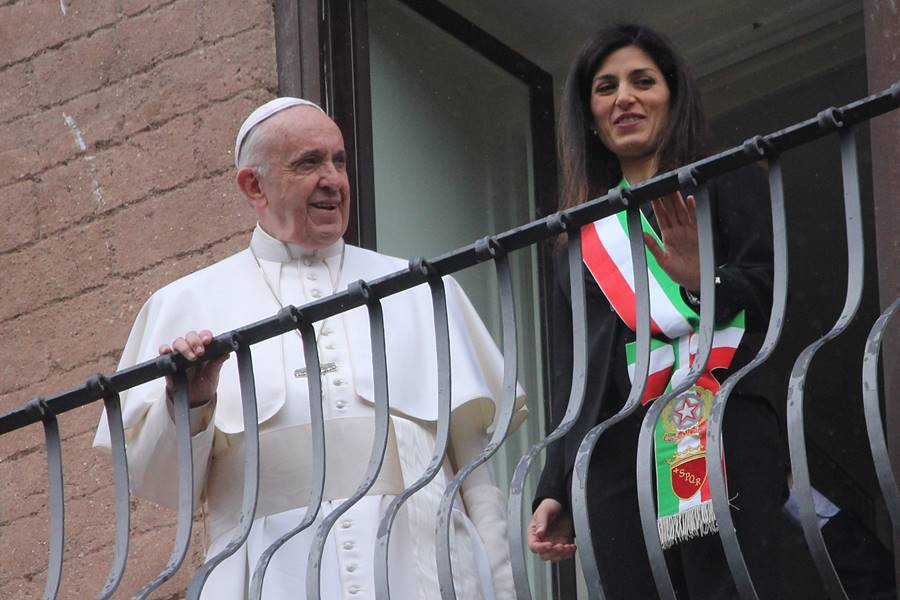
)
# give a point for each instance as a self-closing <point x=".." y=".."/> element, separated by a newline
<point x="248" y="182"/>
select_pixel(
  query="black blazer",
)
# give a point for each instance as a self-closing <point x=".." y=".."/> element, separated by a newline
<point x="743" y="246"/>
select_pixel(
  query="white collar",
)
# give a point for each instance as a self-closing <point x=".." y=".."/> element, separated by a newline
<point x="268" y="248"/>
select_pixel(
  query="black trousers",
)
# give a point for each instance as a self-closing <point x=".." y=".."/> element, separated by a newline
<point x="755" y="464"/>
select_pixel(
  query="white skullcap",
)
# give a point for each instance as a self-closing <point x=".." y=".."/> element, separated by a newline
<point x="261" y="114"/>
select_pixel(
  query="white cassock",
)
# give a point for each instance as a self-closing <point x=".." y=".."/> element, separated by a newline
<point x="233" y="293"/>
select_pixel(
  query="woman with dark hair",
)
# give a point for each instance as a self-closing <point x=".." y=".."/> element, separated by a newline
<point x="631" y="110"/>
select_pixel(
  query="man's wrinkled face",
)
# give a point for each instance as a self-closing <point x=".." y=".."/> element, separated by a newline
<point x="303" y="190"/>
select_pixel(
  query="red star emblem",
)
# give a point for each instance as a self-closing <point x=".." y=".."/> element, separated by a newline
<point x="688" y="411"/>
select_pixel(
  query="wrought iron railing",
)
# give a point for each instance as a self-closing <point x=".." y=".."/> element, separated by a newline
<point x="688" y="179"/>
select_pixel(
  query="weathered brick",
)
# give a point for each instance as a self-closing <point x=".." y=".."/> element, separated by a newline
<point x="23" y="359"/>
<point x="183" y="149"/>
<point x="22" y="589"/>
<point x="79" y="334"/>
<point x="74" y="68"/>
<point x="215" y="73"/>
<point x="18" y="217"/>
<point x="217" y="127"/>
<point x="32" y="143"/>
<point x="27" y="496"/>
<point x="30" y="27"/>
<point x="130" y="8"/>
<point x="18" y="92"/>
<point x="23" y="545"/>
<point x="153" y="37"/>
<point x="68" y="193"/>
<point x="54" y="268"/>
<point x="20" y="442"/>
<point x="171" y="224"/>
<point x="227" y="18"/>
<point x="175" y="87"/>
<point x="79" y="330"/>
<point x="157" y="159"/>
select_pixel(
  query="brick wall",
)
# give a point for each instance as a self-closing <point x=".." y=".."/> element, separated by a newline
<point x="116" y="122"/>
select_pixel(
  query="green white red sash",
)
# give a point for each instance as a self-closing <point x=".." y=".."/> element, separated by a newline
<point x="683" y="498"/>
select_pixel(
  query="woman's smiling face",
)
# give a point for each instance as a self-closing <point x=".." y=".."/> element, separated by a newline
<point x="630" y="103"/>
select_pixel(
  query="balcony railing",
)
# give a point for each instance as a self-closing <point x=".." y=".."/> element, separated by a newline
<point x="689" y="179"/>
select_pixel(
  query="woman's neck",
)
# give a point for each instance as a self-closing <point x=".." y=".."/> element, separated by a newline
<point x="636" y="170"/>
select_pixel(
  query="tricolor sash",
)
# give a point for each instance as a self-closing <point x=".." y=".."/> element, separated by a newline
<point x="684" y="504"/>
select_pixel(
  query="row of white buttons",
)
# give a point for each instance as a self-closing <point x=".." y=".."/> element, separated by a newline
<point x="351" y="565"/>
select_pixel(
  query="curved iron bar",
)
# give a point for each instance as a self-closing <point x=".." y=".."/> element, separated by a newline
<point x="251" y="468"/>
<point x="111" y="400"/>
<point x="185" y="480"/>
<point x="379" y="444"/>
<point x="442" y="435"/>
<point x="795" y="398"/>
<point x="688" y="179"/>
<point x="317" y="441"/>
<point x="581" y="471"/>
<point x="556" y="223"/>
<point x="717" y="484"/>
<point x="40" y="410"/>
<point x="486" y="248"/>
<point x="873" y="416"/>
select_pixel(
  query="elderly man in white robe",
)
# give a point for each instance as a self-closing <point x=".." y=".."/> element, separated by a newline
<point x="291" y="168"/>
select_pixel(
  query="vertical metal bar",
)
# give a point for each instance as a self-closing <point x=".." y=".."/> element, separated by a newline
<point x="251" y="468"/>
<point x="379" y="444"/>
<point x="185" y="485"/>
<point x="873" y="416"/>
<point x="113" y="405"/>
<point x="442" y="434"/>
<point x="485" y="248"/>
<point x="556" y="223"/>
<point x="718" y="489"/>
<point x="645" y="463"/>
<point x="795" y="425"/>
<point x="317" y="434"/>
<point x="55" y="495"/>
<point x="581" y="471"/>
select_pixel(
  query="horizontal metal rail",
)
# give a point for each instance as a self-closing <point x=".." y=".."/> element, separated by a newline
<point x="690" y="179"/>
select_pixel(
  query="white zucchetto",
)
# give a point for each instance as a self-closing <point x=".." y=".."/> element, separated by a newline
<point x="261" y="114"/>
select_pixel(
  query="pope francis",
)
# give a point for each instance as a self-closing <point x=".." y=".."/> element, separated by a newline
<point x="292" y="169"/>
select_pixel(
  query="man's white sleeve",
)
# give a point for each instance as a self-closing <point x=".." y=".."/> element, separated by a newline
<point x="153" y="458"/>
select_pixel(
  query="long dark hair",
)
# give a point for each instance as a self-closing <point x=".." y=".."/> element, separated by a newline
<point x="588" y="168"/>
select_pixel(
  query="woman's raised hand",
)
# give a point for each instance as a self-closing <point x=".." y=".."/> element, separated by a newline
<point x="677" y="220"/>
